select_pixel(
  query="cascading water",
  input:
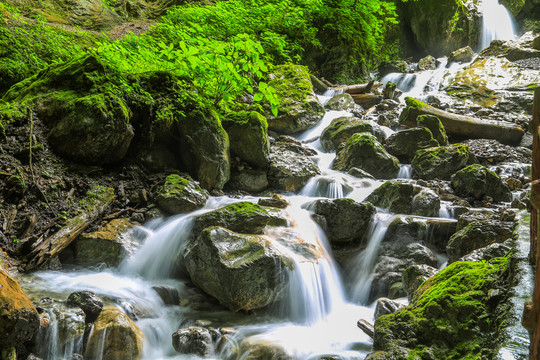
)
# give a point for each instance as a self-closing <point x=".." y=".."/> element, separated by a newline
<point x="497" y="23"/>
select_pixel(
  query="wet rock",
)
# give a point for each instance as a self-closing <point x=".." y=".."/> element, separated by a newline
<point x="243" y="217"/>
<point x="66" y="324"/>
<point x="107" y="246"/>
<point x="319" y="86"/>
<point x="489" y="252"/>
<point x="243" y="272"/>
<point x="491" y="152"/>
<point x="193" y="340"/>
<point x="396" y="291"/>
<point x="168" y="294"/>
<point x="440" y="231"/>
<point x="440" y="162"/>
<point x="414" y="276"/>
<point x="250" y="180"/>
<point x="19" y="319"/>
<point x="365" y="152"/>
<point x="386" y="306"/>
<point x="463" y="55"/>
<point x="248" y="136"/>
<point x="204" y="147"/>
<point x="276" y="201"/>
<point x="435" y="126"/>
<point x="404" y="197"/>
<point x="342" y="128"/>
<point x="512" y="50"/>
<point x="286" y="142"/>
<point x="366" y="327"/>
<point x="259" y="349"/>
<point x="289" y="170"/>
<point x="477" y="235"/>
<point x="404" y="144"/>
<point x="181" y="195"/>
<point x="89" y="302"/>
<point x="427" y="63"/>
<point x="300" y="109"/>
<point x="114" y="336"/>
<point x="340" y="102"/>
<point x="477" y="181"/>
<point x="359" y="173"/>
<point x="345" y="220"/>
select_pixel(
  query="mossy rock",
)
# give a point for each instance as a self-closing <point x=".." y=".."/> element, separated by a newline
<point x="365" y="152"/>
<point x="427" y="63"/>
<point x="340" y="102"/>
<point x="404" y="144"/>
<point x="477" y="181"/>
<point x="242" y="217"/>
<point x="440" y="162"/>
<point x="300" y="109"/>
<point x="290" y="167"/>
<point x="248" y="136"/>
<point x="243" y="272"/>
<point x="342" y="128"/>
<point x="404" y="197"/>
<point x="204" y="147"/>
<point x="451" y="317"/>
<point x="434" y="125"/>
<point x="477" y="235"/>
<point x="181" y="195"/>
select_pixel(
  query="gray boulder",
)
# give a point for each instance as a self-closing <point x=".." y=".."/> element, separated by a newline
<point x="181" y="195"/>
<point x="193" y="340"/>
<point x="340" y="102"/>
<point x="342" y="128"/>
<point x="404" y="144"/>
<point x="465" y="54"/>
<point x="89" y="303"/>
<point x="427" y="63"/>
<point x="435" y="126"/>
<point x="414" y="276"/>
<point x="386" y="306"/>
<point x="477" y="181"/>
<point x="404" y="197"/>
<point x="440" y="162"/>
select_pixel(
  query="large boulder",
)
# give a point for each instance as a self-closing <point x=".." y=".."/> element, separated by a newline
<point x="340" y="102"/>
<point x="86" y="123"/>
<point x="193" y="340"/>
<point x="342" y="128"/>
<point x="477" y="235"/>
<point x="300" y="109"/>
<point x="204" y="146"/>
<point x="344" y="220"/>
<point x="465" y="54"/>
<point x="427" y="63"/>
<point x="243" y="217"/>
<point x="243" y="272"/>
<point x="404" y="197"/>
<point x="477" y="181"/>
<point x="106" y="246"/>
<point x="441" y="27"/>
<point x="450" y="317"/>
<point x="181" y="195"/>
<point x="248" y="136"/>
<point x="404" y="144"/>
<point x="114" y="336"/>
<point x="19" y="319"/>
<point x="89" y="302"/>
<point x="365" y="152"/>
<point x="435" y="126"/>
<point x="440" y="162"/>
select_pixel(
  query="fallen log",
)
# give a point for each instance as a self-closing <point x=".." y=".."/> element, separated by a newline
<point x="367" y="100"/>
<point x="318" y="85"/>
<point x="93" y="207"/>
<point x="461" y="125"/>
<point x="366" y="327"/>
<point x="359" y="88"/>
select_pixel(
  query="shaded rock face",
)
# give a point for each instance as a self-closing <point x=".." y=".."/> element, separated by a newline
<point x="404" y="144"/>
<point x="457" y="300"/>
<point x="342" y="128"/>
<point x="365" y="152"/>
<point x="440" y="162"/>
<point x="89" y="302"/>
<point x="248" y="136"/>
<point x="105" y="246"/>
<point x="290" y="165"/>
<point x="401" y="197"/>
<point x="242" y="271"/>
<point x="193" y="340"/>
<point x="251" y="180"/>
<point x="19" y="319"/>
<point x="442" y="27"/>
<point x="300" y="108"/>
<point x="477" y="181"/>
<point x="340" y="102"/>
<point x="344" y="220"/>
<point x="477" y="235"/>
<point x="181" y="195"/>
<point x="386" y="306"/>
<point x="414" y="276"/>
<point x="114" y="336"/>
<point x="204" y="146"/>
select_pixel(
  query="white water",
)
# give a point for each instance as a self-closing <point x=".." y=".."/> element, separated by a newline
<point x="497" y="23"/>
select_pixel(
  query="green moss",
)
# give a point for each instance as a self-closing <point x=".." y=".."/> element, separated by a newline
<point x="11" y="112"/>
<point x="96" y="197"/>
<point x="292" y="84"/>
<point x="414" y="103"/>
<point x="451" y="314"/>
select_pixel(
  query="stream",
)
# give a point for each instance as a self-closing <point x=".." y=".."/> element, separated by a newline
<point x="318" y="315"/>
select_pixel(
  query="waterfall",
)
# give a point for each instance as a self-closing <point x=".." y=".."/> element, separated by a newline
<point x="497" y="23"/>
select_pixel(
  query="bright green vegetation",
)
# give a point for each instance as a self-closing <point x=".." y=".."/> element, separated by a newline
<point x="454" y="315"/>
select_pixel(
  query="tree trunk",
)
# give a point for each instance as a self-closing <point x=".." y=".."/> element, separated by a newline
<point x="461" y="125"/>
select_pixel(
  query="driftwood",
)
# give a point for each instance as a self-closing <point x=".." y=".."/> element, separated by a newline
<point x="366" y="327"/>
<point x="57" y="242"/>
<point x="318" y="85"/>
<point x="359" y="88"/>
<point x="461" y="125"/>
<point x="367" y="100"/>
